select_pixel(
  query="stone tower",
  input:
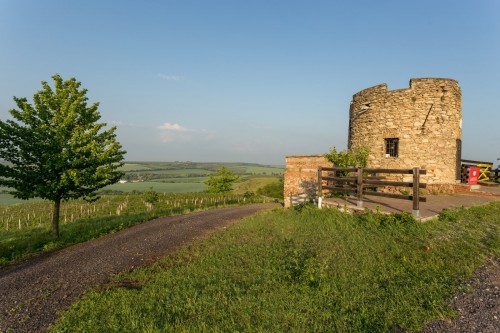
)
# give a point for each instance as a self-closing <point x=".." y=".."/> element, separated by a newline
<point x="416" y="127"/>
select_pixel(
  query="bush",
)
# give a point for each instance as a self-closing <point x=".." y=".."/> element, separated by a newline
<point x="357" y="157"/>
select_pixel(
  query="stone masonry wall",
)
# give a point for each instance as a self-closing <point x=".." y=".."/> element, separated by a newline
<point x="426" y="118"/>
<point x="298" y="169"/>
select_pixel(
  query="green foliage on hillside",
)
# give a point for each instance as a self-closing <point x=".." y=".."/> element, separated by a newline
<point x="273" y="190"/>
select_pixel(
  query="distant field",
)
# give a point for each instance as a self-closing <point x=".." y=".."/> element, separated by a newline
<point x="134" y="167"/>
<point x="174" y="172"/>
<point x="202" y="167"/>
<point x="254" y="183"/>
<point x="257" y="170"/>
<point x="181" y="180"/>
<point x="158" y="187"/>
<point x="183" y="177"/>
<point x="8" y="199"/>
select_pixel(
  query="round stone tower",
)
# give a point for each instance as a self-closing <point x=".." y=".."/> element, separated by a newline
<point x="416" y="127"/>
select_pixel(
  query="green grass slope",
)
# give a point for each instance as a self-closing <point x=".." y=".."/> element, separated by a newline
<point x="301" y="270"/>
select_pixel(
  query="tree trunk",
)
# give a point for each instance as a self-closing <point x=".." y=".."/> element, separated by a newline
<point x="55" y="218"/>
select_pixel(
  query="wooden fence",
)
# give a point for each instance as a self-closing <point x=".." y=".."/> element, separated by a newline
<point x="362" y="182"/>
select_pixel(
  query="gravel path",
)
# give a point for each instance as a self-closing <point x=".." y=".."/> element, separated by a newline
<point x="478" y="309"/>
<point x="33" y="292"/>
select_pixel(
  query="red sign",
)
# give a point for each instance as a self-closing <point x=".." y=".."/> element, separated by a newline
<point x="473" y="175"/>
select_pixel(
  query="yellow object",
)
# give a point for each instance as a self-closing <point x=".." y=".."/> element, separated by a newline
<point x="484" y="171"/>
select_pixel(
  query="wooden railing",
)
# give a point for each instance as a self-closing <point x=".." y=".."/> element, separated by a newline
<point x="360" y="182"/>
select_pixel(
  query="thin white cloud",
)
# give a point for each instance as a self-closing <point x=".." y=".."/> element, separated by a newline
<point x="174" y="132"/>
<point x="120" y="123"/>
<point x="170" y="132"/>
<point x="173" y="127"/>
<point x="116" y="123"/>
<point x="169" y="77"/>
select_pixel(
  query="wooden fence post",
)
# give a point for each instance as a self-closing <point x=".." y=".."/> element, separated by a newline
<point x="360" y="187"/>
<point x="416" y="199"/>
<point x="320" y="181"/>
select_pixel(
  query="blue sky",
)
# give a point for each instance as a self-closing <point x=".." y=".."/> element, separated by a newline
<point x="250" y="81"/>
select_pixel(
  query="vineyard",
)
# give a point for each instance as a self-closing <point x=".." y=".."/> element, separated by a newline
<point x="25" y="227"/>
<point x="39" y="214"/>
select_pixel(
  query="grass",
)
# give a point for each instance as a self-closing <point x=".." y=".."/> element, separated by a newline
<point x="253" y="183"/>
<point x="300" y="270"/>
<point x="134" y="167"/>
<point x="203" y="167"/>
<point x="8" y="199"/>
<point x="25" y="228"/>
<point x="179" y="172"/>
<point x="185" y="180"/>
<point x="158" y="186"/>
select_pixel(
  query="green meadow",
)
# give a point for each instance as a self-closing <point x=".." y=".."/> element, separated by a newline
<point x="185" y="177"/>
<point x="301" y="270"/>
<point x="176" y="186"/>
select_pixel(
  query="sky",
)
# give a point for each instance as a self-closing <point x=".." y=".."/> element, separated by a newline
<point x="250" y="80"/>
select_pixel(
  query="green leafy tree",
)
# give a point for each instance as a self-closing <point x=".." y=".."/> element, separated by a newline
<point x="56" y="149"/>
<point x="221" y="181"/>
<point x="348" y="158"/>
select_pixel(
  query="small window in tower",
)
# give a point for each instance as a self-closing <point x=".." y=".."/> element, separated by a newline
<point x="391" y="147"/>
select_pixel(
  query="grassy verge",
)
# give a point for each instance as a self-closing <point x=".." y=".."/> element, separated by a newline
<point x="300" y="270"/>
<point x="29" y="232"/>
<point x="253" y="183"/>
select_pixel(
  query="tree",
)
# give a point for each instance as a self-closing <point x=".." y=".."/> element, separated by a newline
<point x="348" y="158"/>
<point x="221" y="181"/>
<point x="56" y="149"/>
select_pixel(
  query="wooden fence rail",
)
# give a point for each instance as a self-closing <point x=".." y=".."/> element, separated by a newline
<point x="364" y="181"/>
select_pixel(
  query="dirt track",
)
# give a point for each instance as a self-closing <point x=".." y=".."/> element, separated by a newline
<point x="34" y="291"/>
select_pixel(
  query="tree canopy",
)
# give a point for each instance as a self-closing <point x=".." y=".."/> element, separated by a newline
<point x="221" y="181"/>
<point x="56" y="149"/>
<point x="357" y="157"/>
